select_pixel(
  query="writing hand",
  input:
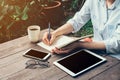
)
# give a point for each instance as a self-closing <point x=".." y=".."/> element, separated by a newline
<point x="48" y="39"/>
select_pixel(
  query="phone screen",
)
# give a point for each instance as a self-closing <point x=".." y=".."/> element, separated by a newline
<point x="36" y="54"/>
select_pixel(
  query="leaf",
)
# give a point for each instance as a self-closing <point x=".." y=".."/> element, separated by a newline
<point x="24" y="17"/>
<point x="5" y="9"/>
<point x="25" y="10"/>
<point x="2" y="3"/>
<point x="1" y="17"/>
<point x="32" y="2"/>
<point x="10" y="24"/>
<point x="17" y="19"/>
<point x="18" y="12"/>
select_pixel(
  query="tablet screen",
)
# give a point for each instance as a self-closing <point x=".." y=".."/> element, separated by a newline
<point x="79" y="61"/>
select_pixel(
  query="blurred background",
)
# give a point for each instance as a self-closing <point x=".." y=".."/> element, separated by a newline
<point x="17" y="15"/>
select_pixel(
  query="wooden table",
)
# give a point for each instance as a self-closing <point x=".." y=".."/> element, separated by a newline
<point x="12" y="65"/>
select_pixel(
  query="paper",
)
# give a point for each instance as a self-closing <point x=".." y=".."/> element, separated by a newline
<point x="61" y="41"/>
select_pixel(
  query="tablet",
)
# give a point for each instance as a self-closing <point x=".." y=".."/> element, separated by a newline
<point x="79" y="62"/>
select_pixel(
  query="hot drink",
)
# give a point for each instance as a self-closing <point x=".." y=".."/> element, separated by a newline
<point x="34" y="33"/>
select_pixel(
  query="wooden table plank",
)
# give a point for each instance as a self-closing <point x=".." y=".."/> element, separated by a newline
<point x="110" y="74"/>
<point x="20" y="71"/>
<point x="11" y="59"/>
<point x="10" y="49"/>
<point x="38" y="74"/>
<point x="52" y="74"/>
<point x="93" y="72"/>
<point x="13" y="67"/>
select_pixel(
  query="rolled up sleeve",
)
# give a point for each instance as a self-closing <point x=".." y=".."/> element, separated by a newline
<point x="113" y="44"/>
<point x="81" y="17"/>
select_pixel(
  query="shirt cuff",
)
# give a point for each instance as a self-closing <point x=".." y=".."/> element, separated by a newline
<point x="111" y="46"/>
<point x="74" y="25"/>
<point x="107" y="46"/>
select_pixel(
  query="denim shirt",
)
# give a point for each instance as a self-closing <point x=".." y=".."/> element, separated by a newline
<point x="106" y="22"/>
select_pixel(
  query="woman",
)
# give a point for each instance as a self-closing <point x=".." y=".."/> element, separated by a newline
<point x="105" y="17"/>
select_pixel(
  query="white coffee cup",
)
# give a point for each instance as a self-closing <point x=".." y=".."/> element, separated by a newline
<point x="34" y="33"/>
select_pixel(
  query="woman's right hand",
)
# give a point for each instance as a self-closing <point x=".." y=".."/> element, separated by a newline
<point x="48" y="41"/>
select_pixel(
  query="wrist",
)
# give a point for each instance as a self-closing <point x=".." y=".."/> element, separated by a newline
<point x="76" y="44"/>
<point x="56" y="33"/>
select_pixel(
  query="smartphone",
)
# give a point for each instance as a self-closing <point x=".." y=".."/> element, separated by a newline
<point x="31" y="53"/>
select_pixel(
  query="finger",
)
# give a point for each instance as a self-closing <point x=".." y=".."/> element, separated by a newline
<point x="48" y="42"/>
<point x="54" y="50"/>
<point x="60" y="51"/>
<point x="45" y="41"/>
<point x="87" y="39"/>
<point x="65" y="48"/>
<point x="52" y="40"/>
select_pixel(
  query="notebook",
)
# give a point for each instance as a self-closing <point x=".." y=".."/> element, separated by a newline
<point x="60" y="42"/>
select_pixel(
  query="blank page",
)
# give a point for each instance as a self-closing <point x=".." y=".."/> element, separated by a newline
<point x="61" y="41"/>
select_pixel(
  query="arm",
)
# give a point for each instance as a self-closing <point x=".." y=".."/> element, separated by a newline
<point x="82" y="45"/>
<point x="66" y="28"/>
<point x="111" y="45"/>
<point x="92" y="45"/>
<point x="74" y="24"/>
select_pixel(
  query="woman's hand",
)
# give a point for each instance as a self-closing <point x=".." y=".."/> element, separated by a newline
<point x="66" y="49"/>
<point x="46" y="40"/>
<point x="65" y="29"/>
<point x="74" y="45"/>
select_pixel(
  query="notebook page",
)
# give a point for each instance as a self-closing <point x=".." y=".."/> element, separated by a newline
<point x="61" y="41"/>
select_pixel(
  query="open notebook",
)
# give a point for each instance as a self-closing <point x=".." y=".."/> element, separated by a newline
<point x="60" y="42"/>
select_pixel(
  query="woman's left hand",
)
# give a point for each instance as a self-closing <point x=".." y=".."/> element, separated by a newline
<point x="66" y="49"/>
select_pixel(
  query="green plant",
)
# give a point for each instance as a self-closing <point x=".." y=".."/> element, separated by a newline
<point x="77" y="4"/>
<point x="74" y="7"/>
<point x="17" y="15"/>
<point x="87" y="29"/>
<point x="12" y="12"/>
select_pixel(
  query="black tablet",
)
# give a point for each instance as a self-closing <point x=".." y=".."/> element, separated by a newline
<point x="79" y="62"/>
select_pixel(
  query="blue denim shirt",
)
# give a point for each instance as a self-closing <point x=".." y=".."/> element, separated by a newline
<point x="106" y="22"/>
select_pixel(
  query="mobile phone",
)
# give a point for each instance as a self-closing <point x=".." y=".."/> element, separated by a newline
<point x="31" y="53"/>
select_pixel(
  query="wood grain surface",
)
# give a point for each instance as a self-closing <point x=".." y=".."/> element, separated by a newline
<point x="12" y="65"/>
